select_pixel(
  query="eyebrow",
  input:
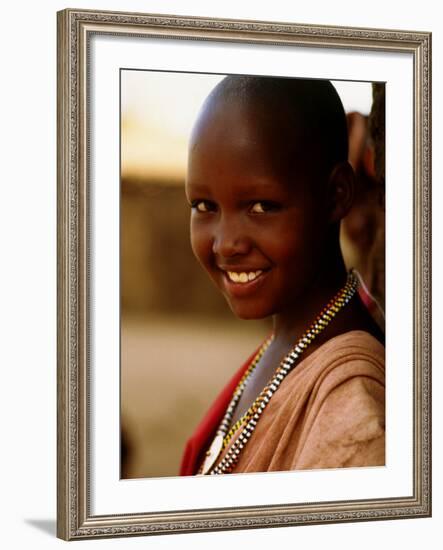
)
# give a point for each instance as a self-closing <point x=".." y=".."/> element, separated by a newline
<point x="261" y="187"/>
<point x="195" y="186"/>
<point x="249" y="189"/>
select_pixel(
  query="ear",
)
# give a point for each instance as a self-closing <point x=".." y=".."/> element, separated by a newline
<point x="340" y="191"/>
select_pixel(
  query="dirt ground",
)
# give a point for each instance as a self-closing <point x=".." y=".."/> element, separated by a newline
<point x="171" y="370"/>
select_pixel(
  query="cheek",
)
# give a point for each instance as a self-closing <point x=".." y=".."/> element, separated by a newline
<point x="201" y="244"/>
<point x="296" y="247"/>
<point x="288" y="242"/>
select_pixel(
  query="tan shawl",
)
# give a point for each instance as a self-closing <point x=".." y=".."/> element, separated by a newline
<point x="328" y="412"/>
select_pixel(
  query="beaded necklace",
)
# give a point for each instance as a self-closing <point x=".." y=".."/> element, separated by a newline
<point x="250" y="418"/>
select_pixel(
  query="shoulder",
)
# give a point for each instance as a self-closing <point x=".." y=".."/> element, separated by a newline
<point x="348" y="374"/>
<point x="353" y="345"/>
<point x="344" y="358"/>
<point x="345" y="413"/>
<point x="339" y="361"/>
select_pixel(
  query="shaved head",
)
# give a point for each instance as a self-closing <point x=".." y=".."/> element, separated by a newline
<point x="303" y="119"/>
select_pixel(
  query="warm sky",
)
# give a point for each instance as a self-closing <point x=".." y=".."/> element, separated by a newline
<point x="159" y="109"/>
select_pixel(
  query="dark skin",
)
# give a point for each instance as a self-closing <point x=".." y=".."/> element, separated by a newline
<point x="261" y="206"/>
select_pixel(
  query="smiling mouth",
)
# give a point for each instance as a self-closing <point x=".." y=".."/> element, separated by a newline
<point x="243" y="276"/>
<point x="240" y="284"/>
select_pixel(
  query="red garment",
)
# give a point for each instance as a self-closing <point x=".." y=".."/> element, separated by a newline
<point x="202" y="437"/>
<point x="368" y="300"/>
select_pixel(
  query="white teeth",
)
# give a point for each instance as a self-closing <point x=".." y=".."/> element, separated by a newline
<point x="243" y="277"/>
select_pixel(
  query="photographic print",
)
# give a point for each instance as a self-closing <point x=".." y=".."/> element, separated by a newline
<point x="243" y="274"/>
<point x="171" y="315"/>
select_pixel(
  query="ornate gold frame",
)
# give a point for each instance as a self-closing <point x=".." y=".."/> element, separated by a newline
<point x="75" y="27"/>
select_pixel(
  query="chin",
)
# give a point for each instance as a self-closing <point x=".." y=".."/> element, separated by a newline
<point x="249" y="313"/>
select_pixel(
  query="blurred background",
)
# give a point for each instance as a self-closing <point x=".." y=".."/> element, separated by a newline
<point x="180" y="342"/>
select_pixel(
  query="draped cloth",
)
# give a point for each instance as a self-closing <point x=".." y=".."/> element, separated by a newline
<point x="329" y="412"/>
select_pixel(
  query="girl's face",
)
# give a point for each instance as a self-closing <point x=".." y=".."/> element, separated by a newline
<point x="257" y="226"/>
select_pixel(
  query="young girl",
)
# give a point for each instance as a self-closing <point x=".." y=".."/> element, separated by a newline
<point x="268" y="182"/>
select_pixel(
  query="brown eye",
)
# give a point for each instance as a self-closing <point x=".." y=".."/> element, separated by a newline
<point x="257" y="208"/>
<point x="261" y="207"/>
<point x="202" y="206"/>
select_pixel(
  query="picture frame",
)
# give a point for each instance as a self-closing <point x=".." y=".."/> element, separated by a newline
<point x="81" y="487"/>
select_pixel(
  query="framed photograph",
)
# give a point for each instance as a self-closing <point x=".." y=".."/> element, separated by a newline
<point x="244" y="318"/>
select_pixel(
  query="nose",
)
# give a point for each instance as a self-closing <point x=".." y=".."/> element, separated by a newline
<point x="230" y="239"/>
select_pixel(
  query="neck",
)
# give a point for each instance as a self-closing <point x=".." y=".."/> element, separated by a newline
<point x="292" y="322"/>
